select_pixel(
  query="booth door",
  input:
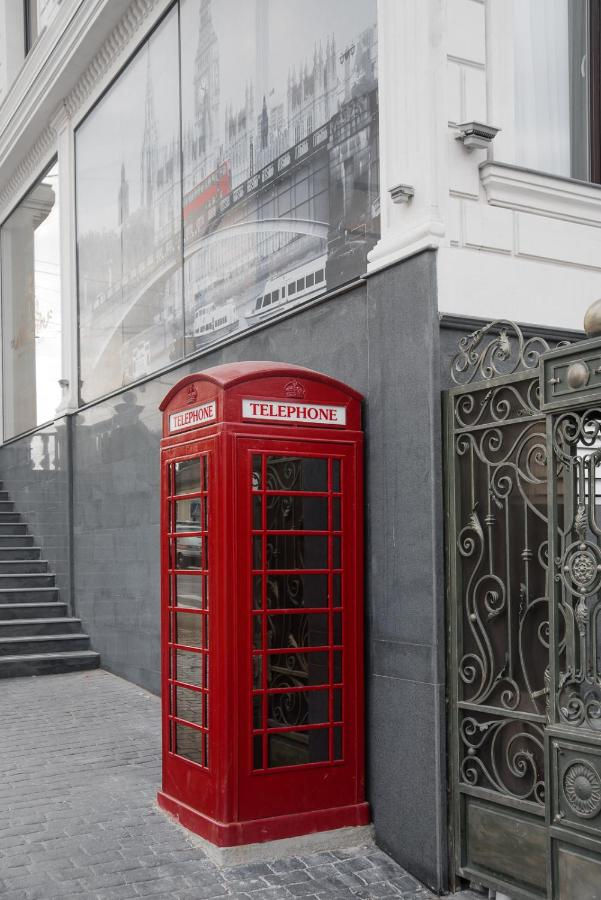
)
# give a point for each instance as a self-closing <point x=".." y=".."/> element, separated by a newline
<point x="188" y="491"/>
<point x="302" y="673"/>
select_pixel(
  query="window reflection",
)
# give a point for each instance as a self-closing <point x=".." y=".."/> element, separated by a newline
<point x="31" y="308"/>
<point x="128" y="221"/>
<point x="280" y="150"/>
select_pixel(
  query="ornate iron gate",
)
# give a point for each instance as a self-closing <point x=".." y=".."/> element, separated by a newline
<point x="523" y="431"/>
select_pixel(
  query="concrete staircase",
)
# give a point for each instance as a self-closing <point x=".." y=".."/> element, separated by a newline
<point x="37" y="636"/>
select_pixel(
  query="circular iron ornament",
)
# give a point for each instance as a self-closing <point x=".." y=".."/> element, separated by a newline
<point x="581" y="568"/>
<point x="582" y="789"/>
<point x="578" y="375"/>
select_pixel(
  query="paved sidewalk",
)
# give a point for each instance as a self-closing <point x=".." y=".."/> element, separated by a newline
<point x="79" y="771"/>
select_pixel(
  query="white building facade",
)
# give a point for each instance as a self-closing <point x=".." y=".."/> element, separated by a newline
<point x="351" y="194"/>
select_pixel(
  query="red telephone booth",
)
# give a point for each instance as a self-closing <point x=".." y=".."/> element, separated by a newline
<point x="262" y="603"/>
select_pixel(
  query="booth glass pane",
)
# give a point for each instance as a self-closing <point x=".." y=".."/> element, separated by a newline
<point x="190" y="591"/>
<point x="297" y="551"/>
<point x="297" y="473"/>
<point x="296" y="513"/>
<point x="188" y="552"/>
<point x="294" y="748"/>
<point x="188" y="667"/>
<point x="298" y="708"/>
<point x="300" y="669"/>
<point x="187" y="476"/>
<point x="188" y="629"/>
<point x="31" y="308"/>
<point x="300" y="590"/>
<point x="297" y="630"/>
<point x="280" y="156"/>
<point x="189" y="743"/>
<point x="336" y="464"/>
<point x="188" y="514"/>
<point x="189" y="705"/>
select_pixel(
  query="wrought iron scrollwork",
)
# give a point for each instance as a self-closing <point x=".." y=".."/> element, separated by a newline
<point x="505" y="756"/>
<point x="577" y="567"/>
<point x="498" y="348"/>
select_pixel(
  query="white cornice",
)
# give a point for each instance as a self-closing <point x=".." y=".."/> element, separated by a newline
<point x="118" y="41"/>
<point x="27" y="169"/>
<point x="541" y="194"/>
<point x="75" y="56"/>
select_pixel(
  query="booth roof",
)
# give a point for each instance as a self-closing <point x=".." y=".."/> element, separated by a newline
<point x="227" y="375"/>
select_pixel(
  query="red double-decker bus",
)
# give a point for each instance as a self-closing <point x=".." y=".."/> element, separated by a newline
<point x="201" y="202"/>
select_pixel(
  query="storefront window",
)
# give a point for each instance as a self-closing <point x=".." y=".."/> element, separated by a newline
<point x="551" y="86"/>
<point x="129" y="221"/>
<point x="31" y="308"/>
<point x="278" y="199"/>
<point x="280" y="150"/>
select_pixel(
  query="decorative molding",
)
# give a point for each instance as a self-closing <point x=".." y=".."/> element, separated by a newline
<point x="27" y="169"/>
<point x="41" y="77"/>
<point x="428" y="236"/>
<point x="401" y="193"/>
<point x="541" y="194"/>
<point x="476" y="135"/>
<point x="115" y="45"/>
<point x="456" y="322"/>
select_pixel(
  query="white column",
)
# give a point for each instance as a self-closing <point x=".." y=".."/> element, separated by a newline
<point x="66" y="180"/>
<point x="413" y="126"/>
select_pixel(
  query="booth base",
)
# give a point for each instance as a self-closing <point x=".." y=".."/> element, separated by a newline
<point x="352" y="820"/>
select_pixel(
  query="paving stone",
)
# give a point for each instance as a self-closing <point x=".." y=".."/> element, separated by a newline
<point x="80" y="759"/>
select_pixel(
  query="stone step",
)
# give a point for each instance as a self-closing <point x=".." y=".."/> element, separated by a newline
<point x="57" y="643"/>
<point x="6" y="505"/>
<point x="3" y="495"/>
<point x="9" y="515"/>
<point x="39" y="627"/>
<point x="32" y="610"/>
<point x="16" y="540"/>
<point x="28" y="595"/>
<point x="23" y="566"/>
<point x="11" y="553"/>
<point x="48" y="663"/>
<point x="8" y="528"/>
<point x="38" y="579"/>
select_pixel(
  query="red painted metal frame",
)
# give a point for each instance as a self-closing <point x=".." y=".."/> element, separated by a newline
<point x="229" y="801"/>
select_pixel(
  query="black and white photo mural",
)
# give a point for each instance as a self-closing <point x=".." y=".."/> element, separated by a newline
<point x="272" y="201"/>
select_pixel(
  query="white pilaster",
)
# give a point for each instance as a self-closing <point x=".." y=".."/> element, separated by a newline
<point x="65" y="137"/>
<point x="500" y="90"/>
<point x="413" y="126"/>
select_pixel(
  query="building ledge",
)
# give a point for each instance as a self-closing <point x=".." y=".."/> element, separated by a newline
<point x="542" y="194"/>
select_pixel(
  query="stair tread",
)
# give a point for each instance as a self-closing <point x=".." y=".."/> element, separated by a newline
<point x="45" y="621"/>
<point x="70" y="654"/>
<point x="42" y="587"/>
<point x="43" y="637"/>
<point x="51" y="605"/>
<point x="27" y="575"/>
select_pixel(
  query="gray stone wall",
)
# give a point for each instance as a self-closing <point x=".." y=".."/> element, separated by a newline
<point x="382" y="338"/>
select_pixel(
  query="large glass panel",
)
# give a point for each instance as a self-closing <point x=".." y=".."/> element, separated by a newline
<point x="31" y="308"/>
<point x="551" y="85"/>
<point x="280" y="152"/>
<point x="129" y="221"/>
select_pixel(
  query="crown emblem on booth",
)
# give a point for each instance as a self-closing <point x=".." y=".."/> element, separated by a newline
<point x="294" y="390"/>
<point x="191" y="394"/>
